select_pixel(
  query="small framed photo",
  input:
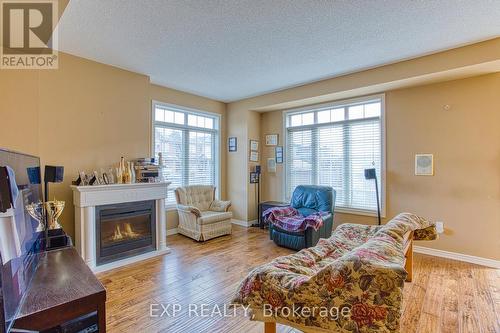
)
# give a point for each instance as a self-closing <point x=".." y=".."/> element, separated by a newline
<point x="254" y="145"/>
<point x="254" y="156"/>
<point x="254" y="177"/>
<point x="271" y="139"/>
<point x="278" y="151"/>
<point x="271" y="165"/>
<point x="424" y="165"/>
<point x="232" y="144"/>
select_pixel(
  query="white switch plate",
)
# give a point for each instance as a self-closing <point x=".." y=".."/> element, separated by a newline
<point x="439" y="227"/>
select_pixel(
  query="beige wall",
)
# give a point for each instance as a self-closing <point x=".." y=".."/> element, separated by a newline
<point x="468" y="61"/>
<point x="448" y="66"/>
<point x="85" y="115"/>
<point x="237" y="164"/>
<point x="253" y="123"/>
<point x="465" y="141"/>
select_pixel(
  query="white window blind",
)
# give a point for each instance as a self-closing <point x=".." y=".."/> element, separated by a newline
<point x="189" y="145"/>
<point x="333" y="145"/>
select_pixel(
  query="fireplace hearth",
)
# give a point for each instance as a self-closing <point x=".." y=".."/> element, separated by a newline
<point x="124" y="230"/>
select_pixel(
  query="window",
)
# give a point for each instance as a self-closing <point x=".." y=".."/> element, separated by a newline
<point x="189" y="143"/>
<point x="332" y="145"/>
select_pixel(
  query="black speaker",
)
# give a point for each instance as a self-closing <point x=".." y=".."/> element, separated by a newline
<point x="34" y="175"/>
<point x="370" y="174"/>
<point x="54" y="174"/>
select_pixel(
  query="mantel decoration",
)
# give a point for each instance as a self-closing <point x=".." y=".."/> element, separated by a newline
<point x="141" y="170"/>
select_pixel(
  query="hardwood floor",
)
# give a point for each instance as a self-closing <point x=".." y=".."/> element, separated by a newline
<point x="445" y="295"/>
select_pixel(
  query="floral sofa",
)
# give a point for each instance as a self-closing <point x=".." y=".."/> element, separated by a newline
<point x="360" y="270"/>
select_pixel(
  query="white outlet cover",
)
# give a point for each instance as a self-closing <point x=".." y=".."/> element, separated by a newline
<point x="439" y="227"/>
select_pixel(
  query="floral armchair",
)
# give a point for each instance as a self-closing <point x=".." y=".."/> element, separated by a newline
<point x="201" y="216"/>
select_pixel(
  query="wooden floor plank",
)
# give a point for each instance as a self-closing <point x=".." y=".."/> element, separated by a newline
<point x="445" y="295"/>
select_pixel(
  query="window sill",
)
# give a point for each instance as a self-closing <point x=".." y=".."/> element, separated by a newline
<point x="359" y="212"/>
<point x="170" y="207"/>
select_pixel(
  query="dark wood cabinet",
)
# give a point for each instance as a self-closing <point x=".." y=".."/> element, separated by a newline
<point x="263" y="206"/>
<point x="63" y="289"/>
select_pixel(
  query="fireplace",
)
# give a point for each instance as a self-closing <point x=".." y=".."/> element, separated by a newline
<point x="107" y="209"/>
<point x="124" y="230"/>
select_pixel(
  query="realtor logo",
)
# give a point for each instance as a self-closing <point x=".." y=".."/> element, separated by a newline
<point x="28" y="38"/>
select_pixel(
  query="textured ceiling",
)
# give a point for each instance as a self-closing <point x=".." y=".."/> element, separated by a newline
<point x="229" y="50"/>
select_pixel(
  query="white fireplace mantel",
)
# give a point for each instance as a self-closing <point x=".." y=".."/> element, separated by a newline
<point x="86" y="198"/>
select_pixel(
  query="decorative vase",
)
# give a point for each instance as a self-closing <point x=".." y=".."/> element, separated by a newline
<point x="128" y="174"/>
<point x="132" y="173"/>
<point x="119" y="176"/>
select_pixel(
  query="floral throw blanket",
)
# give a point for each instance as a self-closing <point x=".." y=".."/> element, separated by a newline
<point x="351" y="282"/>
<point x="289" y="219"/>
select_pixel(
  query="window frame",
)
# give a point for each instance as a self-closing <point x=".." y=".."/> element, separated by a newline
<point x="335" y="104"/>
<point x="186" y="110"/>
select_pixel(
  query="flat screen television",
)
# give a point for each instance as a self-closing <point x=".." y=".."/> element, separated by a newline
<point x="21" y="241"/>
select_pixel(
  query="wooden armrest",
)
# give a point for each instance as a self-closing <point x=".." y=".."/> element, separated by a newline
<point x="408" y="251"/>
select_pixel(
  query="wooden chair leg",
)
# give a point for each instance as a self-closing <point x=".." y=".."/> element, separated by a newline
<point x="409" y="262"/>
<point x="269" y="327"/>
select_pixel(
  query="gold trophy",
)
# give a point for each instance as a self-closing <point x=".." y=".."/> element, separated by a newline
<point x="54" y="210"/>
<point x="37" y="212"/>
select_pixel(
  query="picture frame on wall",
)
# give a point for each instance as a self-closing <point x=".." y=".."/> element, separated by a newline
<point x="271" y="139"/>
<point x="254" y="145"/>
<point x="254" y="177"/>
<point x="424" y="165"/>
<point x="254" y="156"/>
<point x="232" y="144"/>
<point x="278" y="152"/>
<point x="271" y="165"/>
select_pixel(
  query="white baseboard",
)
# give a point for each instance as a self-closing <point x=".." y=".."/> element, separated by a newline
<point x="242" y="223"/>
<point x="171" y="232"/>
<point x="457" y="256"/>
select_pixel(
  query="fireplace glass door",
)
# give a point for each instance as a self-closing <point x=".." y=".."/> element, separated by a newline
<point x="125" y="230"/>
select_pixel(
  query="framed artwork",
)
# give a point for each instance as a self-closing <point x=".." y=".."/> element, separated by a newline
<point x="278" y="152"/>
<point x="254" y="145"/>
<point x="254" y="177"/>
<point x="424" y="165"/>
<point x="271" y="139"/>
<point x="254" y="156"/>
<point x="271" y="165"/>
<point x="232" y="144"/>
